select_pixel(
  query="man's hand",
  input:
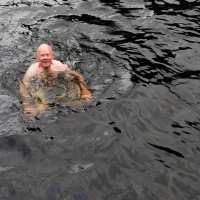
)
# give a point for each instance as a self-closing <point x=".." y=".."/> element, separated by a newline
<point x="86" y="94"/>
<point x="29" y="110"/>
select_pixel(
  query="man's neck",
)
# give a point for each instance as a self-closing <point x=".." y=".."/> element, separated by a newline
<point x="45" y="68"/>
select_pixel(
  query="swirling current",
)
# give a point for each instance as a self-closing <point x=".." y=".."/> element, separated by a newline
<point x="139" y="137"/>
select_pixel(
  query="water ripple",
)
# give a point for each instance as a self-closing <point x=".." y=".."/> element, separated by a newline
<point x="139" y="137"/>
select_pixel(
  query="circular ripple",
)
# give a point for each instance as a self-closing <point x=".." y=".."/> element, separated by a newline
<point x="106" y="75"/>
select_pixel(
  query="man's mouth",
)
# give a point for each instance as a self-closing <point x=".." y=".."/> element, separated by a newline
<point x="46" y="61"/>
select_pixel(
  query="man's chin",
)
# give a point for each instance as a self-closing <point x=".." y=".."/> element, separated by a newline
<point x="46" y="66"/>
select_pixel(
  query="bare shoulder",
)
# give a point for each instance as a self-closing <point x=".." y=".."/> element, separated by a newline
<point x="58" y="66"/>
<point x="32" y="70"/>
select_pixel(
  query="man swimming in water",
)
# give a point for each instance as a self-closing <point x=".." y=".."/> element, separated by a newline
<point x="46" y="64"/>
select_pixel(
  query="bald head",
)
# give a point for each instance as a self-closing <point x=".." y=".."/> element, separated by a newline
<point x="44" y="47"/>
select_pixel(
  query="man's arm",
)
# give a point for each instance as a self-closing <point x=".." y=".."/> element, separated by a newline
<point x="25" y="97"/>
<point x="86" y="95"/>
<point x="32" y="70"/>
<point x="23" y="90"/>
<point x="77" y="75"/>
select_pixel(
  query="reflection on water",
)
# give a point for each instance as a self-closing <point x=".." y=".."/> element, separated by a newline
<point x="138" y="138"/>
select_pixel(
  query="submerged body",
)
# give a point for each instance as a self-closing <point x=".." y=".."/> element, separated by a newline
<point x="50" y="78"/>
<point x="57" y="87"/>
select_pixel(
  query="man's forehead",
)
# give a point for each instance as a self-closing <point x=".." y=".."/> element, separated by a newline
<point x="44" y="48"/>
<point x="44" y="51"/>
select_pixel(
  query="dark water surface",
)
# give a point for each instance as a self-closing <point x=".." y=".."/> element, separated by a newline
<point x="139" y="137"/>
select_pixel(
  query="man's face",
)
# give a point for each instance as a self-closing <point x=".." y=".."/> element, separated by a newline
<point x="45" y="57"/>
